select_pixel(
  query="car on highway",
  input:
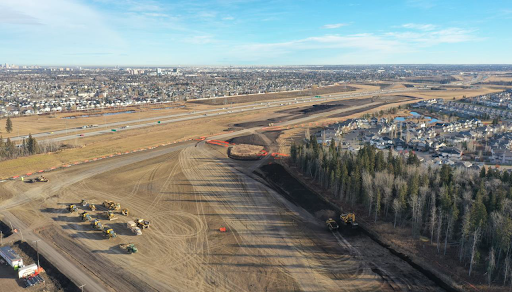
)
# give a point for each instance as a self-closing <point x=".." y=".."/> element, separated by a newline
<point x="80" y="135"/>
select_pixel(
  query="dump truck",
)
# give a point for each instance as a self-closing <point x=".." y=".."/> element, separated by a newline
<point x="349" y="220"/>
<point x="72" y="208"/>
<point x="141" y="223"/>
<point x="125" y="212"/>
<point x="129" y="247"/>
<point x="96" y="224"/>
<point x="133" y="227"/>
<point x="332" y="224"/>
<point x="85" y="216"/>
<point x="110" y="215"/>
<point x="109" y="232"/>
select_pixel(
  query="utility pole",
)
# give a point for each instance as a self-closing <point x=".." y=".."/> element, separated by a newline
<point x="1" y="238"/>
<point x="37" y="251"/>
<point x="82" y="287"/>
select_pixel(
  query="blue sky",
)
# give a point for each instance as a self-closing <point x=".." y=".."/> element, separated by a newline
<point x="251" y="32"/>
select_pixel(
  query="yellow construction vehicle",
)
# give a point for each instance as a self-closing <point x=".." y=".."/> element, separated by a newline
<point x="110" y="205"/>
<point x="349" y="219"/>
<point x="72" y="208"/>
<point x="92" y="207"/>
<point x="142" y="224"/>
<point x="109" y="232"/>
<point x="41" y="179"/>
<point x="332" y="224"/>
<point x="110" y="215"/>
<point x="85" y="216"/>
<point x="125" y="212"/>
<point x="97" y="224"/>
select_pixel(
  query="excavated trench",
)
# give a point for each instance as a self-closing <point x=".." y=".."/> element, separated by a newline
<point x="296" y="192"/>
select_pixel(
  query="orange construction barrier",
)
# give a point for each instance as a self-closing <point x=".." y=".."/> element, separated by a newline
<point x="222" y="229"/>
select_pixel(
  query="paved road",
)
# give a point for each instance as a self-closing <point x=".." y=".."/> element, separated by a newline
<point x="146" y="122"/>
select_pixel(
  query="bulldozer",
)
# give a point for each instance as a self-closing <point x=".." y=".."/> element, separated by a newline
<point x="349" y="220"/>
<point x="110" y="205"/>
<point x="97" y="224"/>
<point x="142" y="224"/>
<point x="41" y="179"/>
<point x="92" y="207"/>
<point x="110" y="215"/>
<point x="130" y="248"/>
<point x="72" y="208"/>
<point x="125" y="212"/>
<point x="109" y="232"/>
<point x="83" y="203"/>
<point x="332" y="224"/>
<point x="85" y="216"/>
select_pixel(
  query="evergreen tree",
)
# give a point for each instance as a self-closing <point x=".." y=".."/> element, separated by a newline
<point x="31" y="145"/>
<point x="8" y="125"/>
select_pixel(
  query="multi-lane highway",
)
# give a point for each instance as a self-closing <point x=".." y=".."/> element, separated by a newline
<point x="70" y="134"/>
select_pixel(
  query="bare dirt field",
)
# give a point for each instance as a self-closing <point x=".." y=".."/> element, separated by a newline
<point x="277" y="95"/>
<point x="188" y="194"/>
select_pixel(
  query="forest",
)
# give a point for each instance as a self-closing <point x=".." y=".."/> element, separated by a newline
<point x="468" y="210"/>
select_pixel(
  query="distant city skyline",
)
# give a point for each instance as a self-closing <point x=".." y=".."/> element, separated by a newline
<point x="249" y="32"/>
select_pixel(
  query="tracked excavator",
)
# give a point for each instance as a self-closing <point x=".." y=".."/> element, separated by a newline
<point x="92" y="207"/>
<point x="83" y="203"/>
<point x="110" y="205"/>
<point x="110" y="215"/>
<point x="41" y="179"/>
<point x="349" y="220"/>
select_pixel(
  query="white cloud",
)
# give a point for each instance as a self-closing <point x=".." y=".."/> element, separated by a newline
<point x="424" y="4"/>
<point x="424" y="27"/>
<point x="335" y="25"/>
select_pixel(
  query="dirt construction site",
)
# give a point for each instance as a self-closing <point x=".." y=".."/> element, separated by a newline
<point x="216" y="223"/>
<point x="188" y="192"/>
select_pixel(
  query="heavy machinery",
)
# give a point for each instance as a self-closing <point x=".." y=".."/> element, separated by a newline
<point x="332" y="224"/>
<point x="125" y="212"/>
<point x="92" y="207"/>
<point x="109" y="232"/>
<point x="133" y="227"/>
<point x="110" y="215"/>
<point x="97" y="224"/>
<point x="85" y="216"/>
<point x="142" y="224"/>
<point x="130" y="247"/>
<point x="83" y="203"/>
<point x="349" y="220"/>
<point x="110" y="205"/>
<point x="72" y="208"/>
<point x="41" y="179"/>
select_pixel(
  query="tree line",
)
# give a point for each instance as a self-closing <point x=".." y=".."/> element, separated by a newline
<point x="468" y="209"/>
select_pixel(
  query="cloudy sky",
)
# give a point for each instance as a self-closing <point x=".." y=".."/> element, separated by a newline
<point x="254" y="32"/>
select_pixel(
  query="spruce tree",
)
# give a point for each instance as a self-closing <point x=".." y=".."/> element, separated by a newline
<point x="8" y="125"/>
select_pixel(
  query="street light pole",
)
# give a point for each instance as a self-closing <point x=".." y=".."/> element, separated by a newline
<point x="37" y="251"/>
<point x="82" y="287"/>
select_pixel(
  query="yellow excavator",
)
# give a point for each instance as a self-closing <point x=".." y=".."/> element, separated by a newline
<point x="92" y="207"/>
<point x="110" y="205"/>
<point x="85" y="216"/>
<point x="96" y="224"/>
<point x="349" y="220"/>
<point x="125" y="212"/>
